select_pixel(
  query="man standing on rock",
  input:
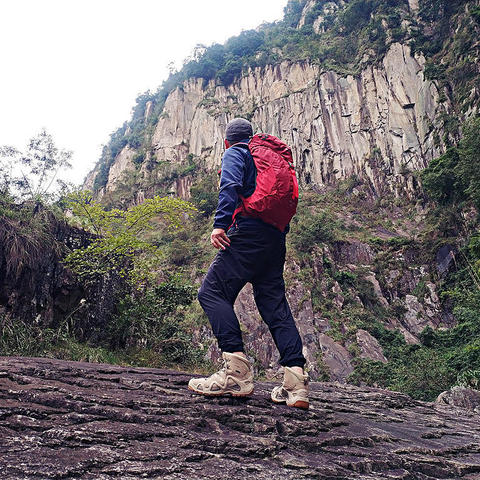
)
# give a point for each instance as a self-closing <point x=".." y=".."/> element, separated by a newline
<point x="250" y="250"/>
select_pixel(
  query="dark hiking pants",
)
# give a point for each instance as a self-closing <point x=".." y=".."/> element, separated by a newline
<point x="256" y="255"/>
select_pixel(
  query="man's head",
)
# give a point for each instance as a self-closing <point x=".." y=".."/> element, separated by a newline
<point x="237" y="130"/>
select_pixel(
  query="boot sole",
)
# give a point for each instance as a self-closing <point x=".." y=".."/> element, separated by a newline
<point x="221" y="394"/>
<point x="298" y="404"/>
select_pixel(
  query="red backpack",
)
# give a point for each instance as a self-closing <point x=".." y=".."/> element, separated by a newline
<point x="276" y="191"/>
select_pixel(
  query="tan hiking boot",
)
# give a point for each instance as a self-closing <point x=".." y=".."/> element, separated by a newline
<point x="235" y="378"/>
<point x="293" y="391"/>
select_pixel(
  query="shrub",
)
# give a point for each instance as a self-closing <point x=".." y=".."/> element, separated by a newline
<point x="204" y="193"/>
<point x="121" y="245"/>
<point x="308" y="231"/>
<point x="151" y="320"/>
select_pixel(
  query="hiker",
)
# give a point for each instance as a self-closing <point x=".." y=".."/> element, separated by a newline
<point x="250" y="250"/>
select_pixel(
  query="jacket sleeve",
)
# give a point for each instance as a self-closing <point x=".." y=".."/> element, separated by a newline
<point x="231" y="184"/>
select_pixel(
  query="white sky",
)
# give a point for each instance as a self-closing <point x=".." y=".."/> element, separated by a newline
<point x="75" y="67"/>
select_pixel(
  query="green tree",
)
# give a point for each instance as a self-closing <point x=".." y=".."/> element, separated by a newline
<point x="455" y="176"/>
<point x="34" y="173"/>
<point x="121" y="244"/>
<point x="468" y="170"/>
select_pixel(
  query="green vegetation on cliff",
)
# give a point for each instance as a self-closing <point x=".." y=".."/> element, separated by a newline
<point x="454" y="178"/>
<point x="453" y="355"/>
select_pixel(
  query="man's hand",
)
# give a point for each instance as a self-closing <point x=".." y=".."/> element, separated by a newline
<point x="219" y="239"/>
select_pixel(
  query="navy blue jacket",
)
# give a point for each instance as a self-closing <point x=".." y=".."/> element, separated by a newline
<point x="238" y="178"/>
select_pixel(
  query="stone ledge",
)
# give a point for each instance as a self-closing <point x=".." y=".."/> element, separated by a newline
<point x="76" y="420"/>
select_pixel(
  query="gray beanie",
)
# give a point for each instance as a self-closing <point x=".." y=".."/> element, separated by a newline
<point x="238" y="129"/>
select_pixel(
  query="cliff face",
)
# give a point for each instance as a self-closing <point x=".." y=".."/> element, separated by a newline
<point x="380" y="125"/>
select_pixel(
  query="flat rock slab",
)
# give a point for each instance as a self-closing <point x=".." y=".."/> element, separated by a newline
<point x="75" y="420"/>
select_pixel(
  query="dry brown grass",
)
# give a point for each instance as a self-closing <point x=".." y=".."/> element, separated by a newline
<point x="21" y="248"/>
<point x="24" y="239"/>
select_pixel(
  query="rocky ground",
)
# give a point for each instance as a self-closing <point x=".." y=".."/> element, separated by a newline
<point x="73" y="420"/>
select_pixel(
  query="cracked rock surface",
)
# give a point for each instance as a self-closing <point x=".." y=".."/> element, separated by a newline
<point x="74" y="420"/>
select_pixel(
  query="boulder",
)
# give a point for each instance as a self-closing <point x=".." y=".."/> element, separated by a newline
<point x="369" y="346"/>
<point x="462" y="397"/>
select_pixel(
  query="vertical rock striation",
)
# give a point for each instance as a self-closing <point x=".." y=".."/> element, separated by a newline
<point x="378" y="125"/>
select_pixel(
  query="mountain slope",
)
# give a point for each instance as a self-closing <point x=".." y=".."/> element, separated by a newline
<point x="367" y="93"/>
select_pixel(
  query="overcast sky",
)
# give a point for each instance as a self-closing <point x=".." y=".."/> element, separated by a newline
<point x="75" y="67"/>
